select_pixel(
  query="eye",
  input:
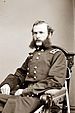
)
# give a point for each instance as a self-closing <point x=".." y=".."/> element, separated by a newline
<point x="34" y="32"/>
<point x="40" y="32"/>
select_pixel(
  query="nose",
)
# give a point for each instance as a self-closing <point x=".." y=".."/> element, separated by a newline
<point x="38" y="35"/>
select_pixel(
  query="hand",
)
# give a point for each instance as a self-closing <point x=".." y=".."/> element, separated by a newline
<point x="27" y="91"/>
<point x="19" y="92"/>
<point x="5" y="89"/>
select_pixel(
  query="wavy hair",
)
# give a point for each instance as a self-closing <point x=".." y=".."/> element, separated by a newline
<point x="50" y="30"/>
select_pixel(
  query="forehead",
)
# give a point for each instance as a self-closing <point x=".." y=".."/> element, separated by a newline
<point x="40" y="27"/>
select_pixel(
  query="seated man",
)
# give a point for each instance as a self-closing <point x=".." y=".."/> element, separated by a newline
<point x="43" y="69"/>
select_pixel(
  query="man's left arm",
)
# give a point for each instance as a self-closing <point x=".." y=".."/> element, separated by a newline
<point x="56" y="75"/>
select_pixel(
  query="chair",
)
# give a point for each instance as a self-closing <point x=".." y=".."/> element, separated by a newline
<point x="57" y="100"/>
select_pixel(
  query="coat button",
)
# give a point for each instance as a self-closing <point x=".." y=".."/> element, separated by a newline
<point x="39" y="54"/>
<point x="30" y="59"/>
<point x="27" y="95"/>
<point x="31" y="55"/>
<point x="42" y="50"/>
<point x="37" y="58"/>
<point x="17" y="86"/>
<point x="32" y="95"/>
<point x="35" y="67"/>
<point x="28" y="68"/>
<point x="37" y="94"/>
<point x="34" y="77"/>
<point x="34" y="72"/>
<point x="27" y="73"/>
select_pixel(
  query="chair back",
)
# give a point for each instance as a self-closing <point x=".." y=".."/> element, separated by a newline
<point x="70" y="62"/>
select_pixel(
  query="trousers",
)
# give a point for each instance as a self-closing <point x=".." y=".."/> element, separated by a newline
<point x="18" y="104"/>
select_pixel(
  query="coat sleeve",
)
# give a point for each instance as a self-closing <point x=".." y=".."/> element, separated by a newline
<point x="56" y="75"/>
<point x="16" y="79"/>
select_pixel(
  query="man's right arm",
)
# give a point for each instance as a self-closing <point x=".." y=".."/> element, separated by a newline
<point x="14" y="80"/>
<point x="11" y="80"/>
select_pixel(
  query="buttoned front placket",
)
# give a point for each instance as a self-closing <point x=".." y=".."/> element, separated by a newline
<point x="31" y="55"/>
<point x="35" y="67"/>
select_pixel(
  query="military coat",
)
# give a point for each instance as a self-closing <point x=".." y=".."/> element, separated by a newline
<point x="43" y="69"/>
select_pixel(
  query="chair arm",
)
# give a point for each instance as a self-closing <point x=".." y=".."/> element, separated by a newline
<point x="56" y="92"/>
<point x="55" y="95"/>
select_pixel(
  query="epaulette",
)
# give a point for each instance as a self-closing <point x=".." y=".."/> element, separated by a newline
<point x="53" y="51"/>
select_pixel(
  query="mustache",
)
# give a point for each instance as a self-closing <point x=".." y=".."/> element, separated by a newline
<point x="38" y="41"/>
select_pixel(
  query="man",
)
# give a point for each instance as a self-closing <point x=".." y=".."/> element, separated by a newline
<point x="44" y="69"/>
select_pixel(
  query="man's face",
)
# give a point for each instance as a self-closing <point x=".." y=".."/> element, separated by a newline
<point x="40" y="33"/>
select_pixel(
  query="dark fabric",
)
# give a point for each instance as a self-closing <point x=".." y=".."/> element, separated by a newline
<point x="43" y="69"/>
<point x="50" y="71"/>
<point x="18" y="104"/>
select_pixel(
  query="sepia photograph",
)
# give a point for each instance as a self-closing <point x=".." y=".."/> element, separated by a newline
<point x="37" y="56"/>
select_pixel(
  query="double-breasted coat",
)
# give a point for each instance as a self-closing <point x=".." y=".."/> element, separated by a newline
<point x="43" y="69"/>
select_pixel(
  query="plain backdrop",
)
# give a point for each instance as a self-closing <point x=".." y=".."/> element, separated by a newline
<point x="16" y="20"/>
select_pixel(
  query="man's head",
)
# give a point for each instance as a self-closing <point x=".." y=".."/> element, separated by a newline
<point x="40" y="32"/>
<point x="50" y="30"/>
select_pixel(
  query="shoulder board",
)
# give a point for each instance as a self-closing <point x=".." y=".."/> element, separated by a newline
<point x="53" y="51"/>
